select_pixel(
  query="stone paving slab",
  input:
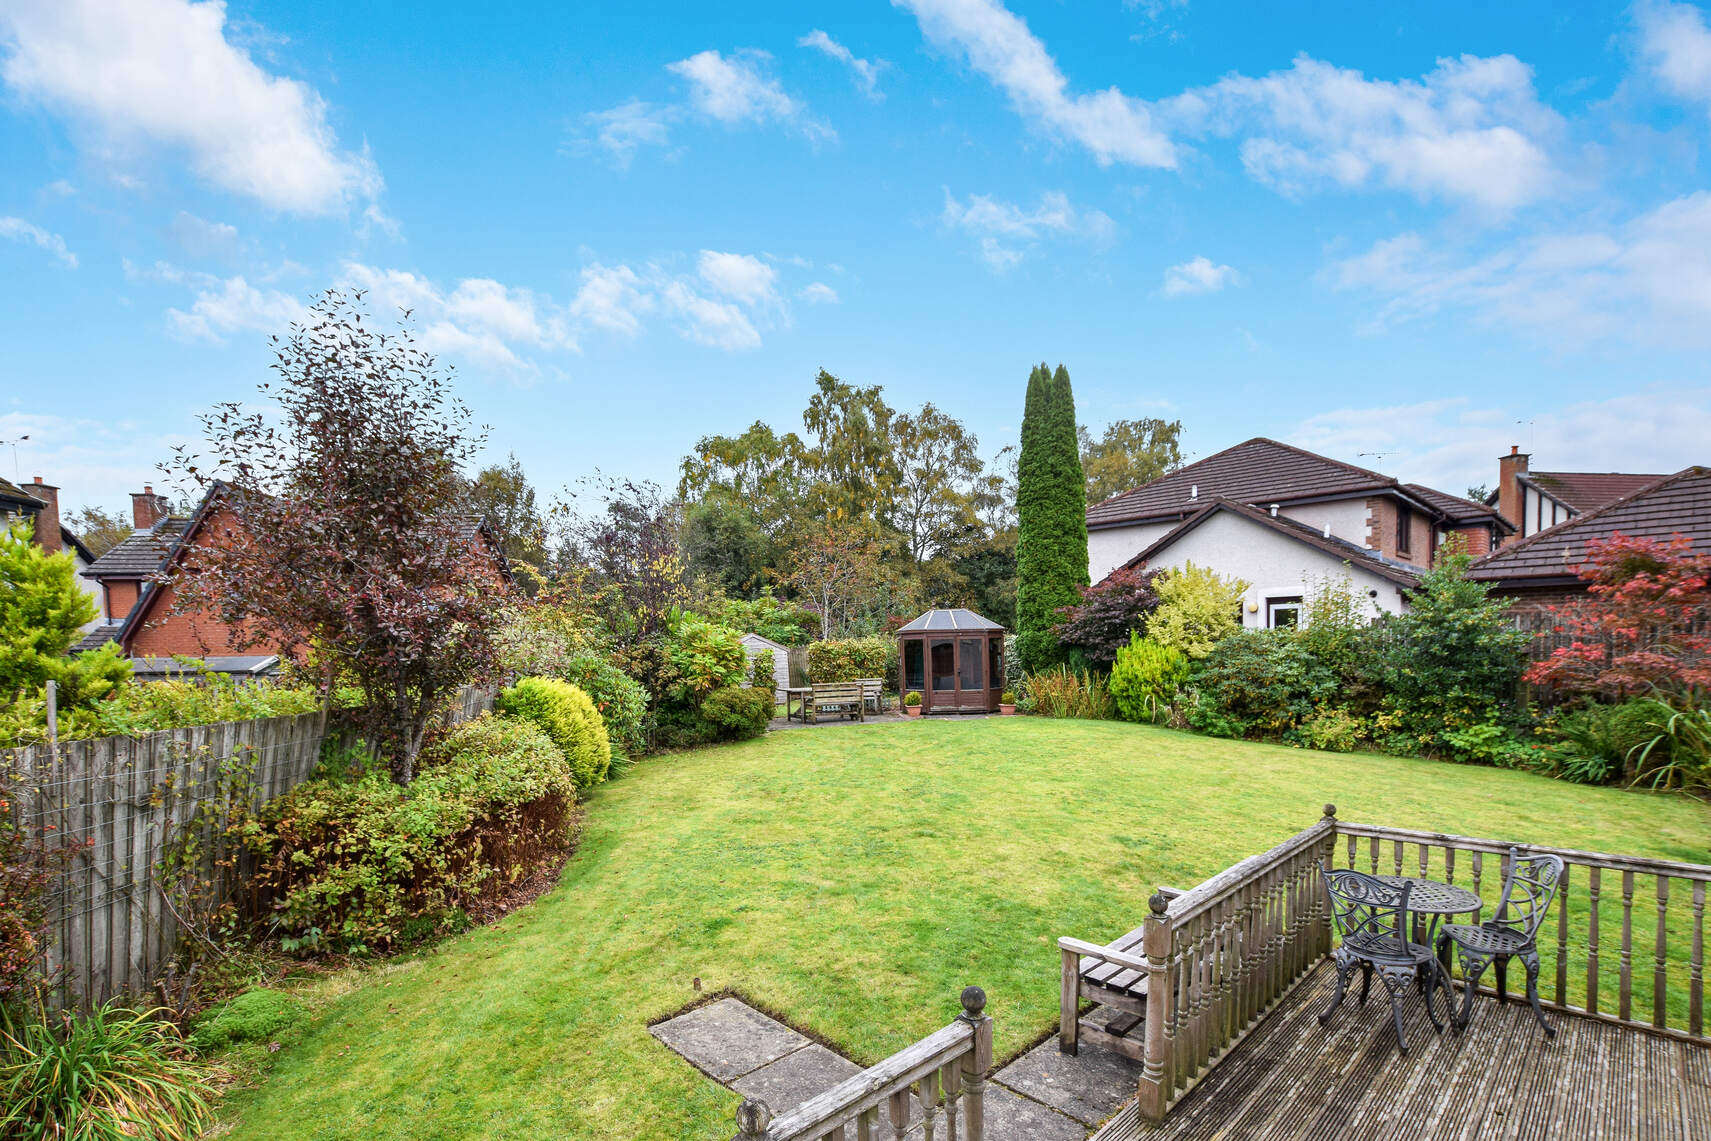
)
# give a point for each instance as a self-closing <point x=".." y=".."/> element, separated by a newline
<point x="1089" y="1086"/>
<point x="729" y="1039"/>
<point x="796" y="1077"/>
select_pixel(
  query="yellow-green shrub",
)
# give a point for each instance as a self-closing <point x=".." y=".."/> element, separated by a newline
<point x="567" y="716"/>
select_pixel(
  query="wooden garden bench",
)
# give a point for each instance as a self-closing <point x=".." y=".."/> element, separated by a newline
<point x="846" y="698"/>
<point x="1114" y="975"/>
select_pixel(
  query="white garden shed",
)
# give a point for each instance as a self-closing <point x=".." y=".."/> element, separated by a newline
<point x="754" y="644"/>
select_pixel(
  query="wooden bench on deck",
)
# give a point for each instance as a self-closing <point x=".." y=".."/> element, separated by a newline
<point x="1114" y="975"/>
<point x="845" y="698"/>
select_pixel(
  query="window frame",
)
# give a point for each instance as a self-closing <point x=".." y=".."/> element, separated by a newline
<point x="1295" y="602"/>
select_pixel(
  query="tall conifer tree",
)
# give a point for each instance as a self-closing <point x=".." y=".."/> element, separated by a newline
<point x="1051" y="549"/>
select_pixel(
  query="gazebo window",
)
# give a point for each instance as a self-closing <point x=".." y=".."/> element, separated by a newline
<point x="914" y="666"/>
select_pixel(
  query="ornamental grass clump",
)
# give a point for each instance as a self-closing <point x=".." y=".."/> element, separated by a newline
<point x="566" y="715"/>
<point x="110" y="1075"/>
<point x="1063" y="692"/>
<point x="353" y="864"/>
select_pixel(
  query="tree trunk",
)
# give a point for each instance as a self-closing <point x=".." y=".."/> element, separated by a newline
<point x="406" y="739"/>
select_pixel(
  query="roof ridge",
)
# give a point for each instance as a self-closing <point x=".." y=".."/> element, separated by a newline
<point x="1366" y="473"/>
<point x="1585" y="516"/>
<point x="1300" y="451"/>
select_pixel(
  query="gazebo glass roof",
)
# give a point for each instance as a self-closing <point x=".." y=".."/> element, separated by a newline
<point x="947" y="620"/>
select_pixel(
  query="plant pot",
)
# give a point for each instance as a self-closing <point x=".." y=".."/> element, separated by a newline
<point x="1007" y="710"/>
<point x="912" y="710"/>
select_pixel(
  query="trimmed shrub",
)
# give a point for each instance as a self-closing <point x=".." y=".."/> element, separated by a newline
<point x="1146" y="679"/>
<point x="1259" y="683"/>
<point x="347" y="864"/>
<point x="851" y="659"/>
<point x="739" y="713"/>
<point x="912" y="699"/>
<point x="258" y="1015"/>
<point x="619" y="698"/>
<point x="704" y="656"/>
<point x="1197" y="609"/>
<point x="567" y="716"/>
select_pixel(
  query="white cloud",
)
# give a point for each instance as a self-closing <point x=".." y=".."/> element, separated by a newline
<point x="630" y="126"/>
<point x="480" y="319"/>
<point x="1006" y="231"/>
<point x="18" y="230"/>
<point x="613" y="298"/>
<point x="1472" y="130"/>
<point x="232" y="305"/>
<point x="819" y="293"/>
<point x="165" y="71"/>
<point x="733" y="90"/>
<point x="740" y="277"/>
<point x="721" y="324"/>
<point x="1648" y="280"/>
<point x="1112" y="126"/>
<point x="201" y="238"/>
<point x="1677" y="46"/>
<point x="866" y="71"/>
<point x="1198" y="275"/>
<point x="1452" y="444"/>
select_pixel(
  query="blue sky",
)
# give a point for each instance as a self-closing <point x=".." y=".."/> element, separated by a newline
<point x="1406" y="236"/>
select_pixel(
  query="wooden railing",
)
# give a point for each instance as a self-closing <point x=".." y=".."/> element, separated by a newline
<point x="943" y="1076"/>
<point x="1220" y="955"/>
<point x="1599" y="958"/>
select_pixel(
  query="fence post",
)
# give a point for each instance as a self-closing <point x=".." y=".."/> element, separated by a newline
<point x="976" y="1062"/>
<point x="1156" y="1082"/>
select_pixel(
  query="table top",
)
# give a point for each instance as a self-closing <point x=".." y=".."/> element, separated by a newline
<point x="1435" y="898"/>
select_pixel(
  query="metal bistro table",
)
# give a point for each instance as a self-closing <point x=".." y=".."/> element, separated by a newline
<point x="1431" y="901"/>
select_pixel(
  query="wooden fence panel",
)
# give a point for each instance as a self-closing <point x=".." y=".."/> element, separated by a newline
<point x="129" y="799"/>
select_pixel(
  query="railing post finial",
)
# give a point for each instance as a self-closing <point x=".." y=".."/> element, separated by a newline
<point x="973" y="1003"/>
<point x="1330" y="812"/>
<point x="1158" y="904"/>
<point x="753" y="1117"/>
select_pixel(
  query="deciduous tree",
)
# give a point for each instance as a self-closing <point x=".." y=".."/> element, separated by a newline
<point x="341" y="521"/>
<point x="1130" y="453"/>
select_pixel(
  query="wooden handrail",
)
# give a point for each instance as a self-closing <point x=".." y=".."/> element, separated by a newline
<point x="944" y="1072"/>
<point x="1644" y="865"/>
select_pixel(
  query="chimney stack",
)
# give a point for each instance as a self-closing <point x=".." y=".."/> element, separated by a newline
<point x="147" y="508"/>
<point x="47" y="519"/>
<point x="1510" y="502"/>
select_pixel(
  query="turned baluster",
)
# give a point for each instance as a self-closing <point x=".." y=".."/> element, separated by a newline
<point x="1592" y="877"/>
<point x="929" y="1097"/>
<point x="1660" y="954"/>
<point x="899" y="1114"/>
<point x="1696" y="965"/>
<point x="950" y="1080"/>
<point x="1625" y="978"/>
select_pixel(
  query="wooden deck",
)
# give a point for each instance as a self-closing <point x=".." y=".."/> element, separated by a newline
<point x="1292" y="1078"/>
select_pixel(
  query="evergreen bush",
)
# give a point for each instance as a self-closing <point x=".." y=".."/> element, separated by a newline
<point x="569" y="719"/>
<point x="739" y="713"/>
<point x="1146" y="678"/>
<point x="851" y="659"/>
<point x="619" y="698"/>
<point x="1197" y="608"/>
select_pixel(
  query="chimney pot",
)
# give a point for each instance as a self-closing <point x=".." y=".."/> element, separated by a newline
<point x="1514" y="449"/>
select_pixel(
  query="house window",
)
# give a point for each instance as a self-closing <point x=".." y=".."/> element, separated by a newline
<point x="1404" y="529"/>
<point x="1283" y="613"/>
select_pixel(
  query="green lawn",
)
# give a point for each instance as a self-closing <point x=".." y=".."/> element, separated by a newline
<point x="852" y="879"/>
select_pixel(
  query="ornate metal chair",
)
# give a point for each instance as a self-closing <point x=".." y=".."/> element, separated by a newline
<point x="1372" y="918"/>
<point x="1512" y="933"/>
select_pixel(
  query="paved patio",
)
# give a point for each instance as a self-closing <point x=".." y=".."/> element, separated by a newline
<point x="1041" y="1096"/>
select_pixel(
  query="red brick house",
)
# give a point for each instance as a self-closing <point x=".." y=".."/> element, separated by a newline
<point x="1541" y="570"/>
<point x="135" y="576"/>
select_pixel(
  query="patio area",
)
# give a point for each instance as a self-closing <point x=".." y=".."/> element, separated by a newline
<point x="1501" y="1078"/>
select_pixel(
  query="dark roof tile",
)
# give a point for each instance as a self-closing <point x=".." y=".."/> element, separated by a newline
<point x="1678" y="504"/>
<point x="140" y="553"/>
<point x="1590" y="490"/>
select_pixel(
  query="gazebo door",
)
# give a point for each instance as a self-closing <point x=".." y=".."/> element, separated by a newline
<point x="971" y="674"/>
<point x="941" y="657"/>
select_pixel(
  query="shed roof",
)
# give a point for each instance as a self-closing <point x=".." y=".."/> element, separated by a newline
<point x="1678" y="504"/>
<point x="947" y="620"/>
<point x="762" y="641"/>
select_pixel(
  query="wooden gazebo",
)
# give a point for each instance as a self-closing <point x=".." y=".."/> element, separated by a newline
<point x="954" y="659"/>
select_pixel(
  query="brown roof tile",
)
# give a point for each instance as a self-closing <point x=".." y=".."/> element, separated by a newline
<point x="1255" y="471"/>
<point x="1678" y="504"/>
<point x="1456" y="508"/>
<point x="140" y="553"/>
<point x="1590" y="490"/>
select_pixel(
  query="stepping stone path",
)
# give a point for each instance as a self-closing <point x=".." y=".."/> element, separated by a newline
<point x="1041" y="1096"/>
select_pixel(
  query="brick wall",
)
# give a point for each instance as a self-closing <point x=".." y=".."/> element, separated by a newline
<point x="121" y="596"/>
<point x="1536" y="602"/>
<point x="1476" y="540"/>
<point x="1381" y="513"/>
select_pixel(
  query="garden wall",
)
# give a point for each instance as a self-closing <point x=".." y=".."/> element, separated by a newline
<point x="113" y="929"/>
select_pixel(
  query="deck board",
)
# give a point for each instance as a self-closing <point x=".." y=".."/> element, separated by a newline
<point x="1293" y="1080"/>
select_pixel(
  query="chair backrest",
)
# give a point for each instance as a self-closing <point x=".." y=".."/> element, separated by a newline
<point x="837" y="691"/>
<point x="872" y="685"/>
<point x="1528" y="890"/>
<point x="1368" y="912"/>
